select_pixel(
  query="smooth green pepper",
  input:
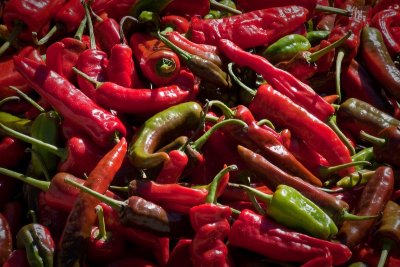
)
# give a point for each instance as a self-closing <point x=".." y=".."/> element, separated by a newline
<point x="286" y="48"/>
<point x="161" y="129"/>
<point x="15" y="123"/>
<point x="38" y="243"/>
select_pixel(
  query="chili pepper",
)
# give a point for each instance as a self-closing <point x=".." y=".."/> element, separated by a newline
<point x="312" y="131"/>
<point x="315" y="37"/>
<point x="250" y="29"/>
<point x="378" y="61"/>
<point x="356" y="179"/>
<point x="172" y="121"/>
<point x="186" y="9"/>
<point x="12" y="152"/>
<point x="16" y="123"/>
<point x="179" y="254"/>
<point x="372" y="201"/>
<point x="174" y="22"/>
<point x="283" y="81"/>
<point x="387" y="235"/>
<point x="385" y="145"/>
<point x="107" y="32"/>
<point x="290" y="208"/>
<point x="383" y="21"/>
<point x="6" y="241"/>
<point x="204" y="51"/>
<point x="22" y="17"/>
<point x="17" y="258"/>
<point x="272" y="176"/>
<point x="104" y="246"/>
<point x="286" y="47"/>
<point x="38" y="243"/>
<point x="10" y="76"/>
<point x="384" y="4"/>
<point x="158" y="63"/>
<point x="14" y="212"/>
<point x="370" y="255"/>
<point x="82" y="216"/>
<point x="355" y="115"/>
<point x="264" y="236"/>
<point x="173" y="167"/>
<point x="70" y="102"/>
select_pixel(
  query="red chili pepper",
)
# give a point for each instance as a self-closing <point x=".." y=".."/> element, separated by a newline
<point x="72" y="104"/>
<point x="385" y="4"/>
<point x="12" y="152"/>
<point x="188" y="9"/>
<point x="117" y="9"/>
<point x="282" y="81"/>
<point x="176" y="23"/>
<point x="173" y="167"/>
<point x="82" y="216"/>
<point x="159" y="64"/>
<point x="179" y="254"/>
<point x="369" y="255"/>
<point x="6" y="240"/>
<point x="262" y="235"/>
<point x="107" y="33"/>
<point x="10" y="75"/>
<point x="250" y="29"/>
<point x="251" y="5"/>
<point x="17" y="258"/>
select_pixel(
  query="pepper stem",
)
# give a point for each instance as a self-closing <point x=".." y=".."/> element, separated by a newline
<point x="182" y="53"/>
<point x="42" y="185"/>
<point x="48" y="35"/>
<point x="87" y="77"/>
<point x="102" y="223"/>
<point x="198" y="144"/>
<point x="8" y="99"/>
<point x="27" y="98"/>
<point x="346" y="216"/>
<point x="165" y="66"/>
<point x="332" y="10"/>
<point x="332" y="124"/>
<point x="90" y="25"/>
<point x="386" y="247"/>
<point x="320" y="53"/>
<point x="212" y="188"/>
<point x="79" y="32"/>
<point x="119" y="188"/>
<point x="325" y="171"/>
<point x="115" y="204"/>
<point x="339" y="61"/>
<point x="121" y="27"/>
<point x="221" y="7"/>
<point x="228" y="113"/>
<point x="372" y="139"/>
<point x="13" y="35"/>
<point x="60" y="152"/>
<point x="267" y="123"/>
<point x="247" y="89"/>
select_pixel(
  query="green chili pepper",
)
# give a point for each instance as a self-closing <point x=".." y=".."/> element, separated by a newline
<point x="38" y="243"/>
<point x="286" y="48"/>
<point x="355" y="179"/>
<point x="315" y="37"/>
<point x="221" y="9"/>
<point x="15" y="123"/>
<point x="293" y="210"/>
<point x="160" y="130"/>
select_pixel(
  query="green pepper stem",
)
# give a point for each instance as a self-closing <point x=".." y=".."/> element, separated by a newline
<point x="372" y="139"/>
<point x="115" y="204"/>
<point x="101" y="222"/>
<point x="210" y="118"/>
<point x="119" y="188"/>
<point x="239" y="82"/>
<point x="363" y="154"/>
<point x="346" y="216"/>
<point x="8" y="99"/>
<point x="266" y="122"/>
<point x="33" y="216"/>
<point x="325" y="171"/>
<point x="87" y="77"/>
<point x="28" y="99"/>
<point x="332" y="124"/>
<point x="355" y="179"/>
<point x="90" y="25"/>
<point x="198" y="144"/>
<point x="121" y="27"/>
<point x="228" y="113"/>
<point x="320" y="53"/>
<point x="386" y="247"/>
<point x="13" y="35"/>
<point x="42" y="185"/>
<point x="60" y="152"/>
<point x="165" y="66"/>
<point x="257" y="193"/>
<point x="212" y="188"/>
<point x="48" y="35"/>
<point x="221" y="7"/>
<point x="186" y="56"/>
<point x="79" y="32"/>
<point x="332" y="10"/>
<point x="339" y="61"/>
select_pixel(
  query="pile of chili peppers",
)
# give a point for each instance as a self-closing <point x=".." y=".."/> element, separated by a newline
<point x="215" y="133"/>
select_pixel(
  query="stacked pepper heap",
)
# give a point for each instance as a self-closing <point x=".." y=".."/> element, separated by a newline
<point x="199" y="133"/>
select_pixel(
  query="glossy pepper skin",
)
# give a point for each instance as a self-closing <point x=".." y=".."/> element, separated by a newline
<point x="176" y="23"/>
<point x="107" y="34"/>
<point x="251" y="29"/>
<point x="309" y="128"/>
<point x="121" y="67"/>
<point x="378" y="61"/>
<point x="6" y="240"/>
<point x="70" y="102"/>
<point x="262" y="235"/>
<point x="372" y="201"/>
<point x="286" y="47"/>
<point x="174" y="120"/>
<point x="38" y="243"/>
<point x="281" y="80"/>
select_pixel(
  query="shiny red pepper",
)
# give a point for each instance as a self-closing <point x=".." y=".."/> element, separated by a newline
<point x="107" y="33"/>
<point x="176" y="23"/>
<point x="173" y="167"/>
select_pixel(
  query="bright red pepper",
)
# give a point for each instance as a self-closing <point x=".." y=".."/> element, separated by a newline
<point x="177" y="23"/>
<point x="107" y="33"/>
<point x="173" y="167"/>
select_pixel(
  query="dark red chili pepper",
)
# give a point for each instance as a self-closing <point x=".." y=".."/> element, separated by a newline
<point x="188" y="9"/>
<point x="12" y="151"/>
<point x="179" y="254"/>
<point x="107" y="32"/>
<point x="6" y="240"/>
<point x="176" y="23"/>
<point x="385" y="4"/>
<point x="312" y="131"/>
<point x="370" y="255"/>
<point x="250" y="29"/>
<point x="82" y="216"/>
<point x="15" y="213"/>
<point x="260" y="234"/>
<point x="384" y="21"/>
<point x="17" y="258"/>
<point x="158" y="63"/>
<point x="70" y="102"/>
<point x="284" y="82"/>
<point x="372" y="201"/>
